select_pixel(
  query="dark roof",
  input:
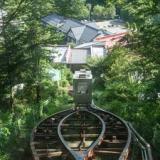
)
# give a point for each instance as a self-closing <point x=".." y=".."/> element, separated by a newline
<point x="83" y="34"/>
<point x="92" y="24"/>
<point x="89" y="34"/>
<point x="53" y="19"/>
<point x="76" y="32"/>
<point x="67" y="24"/>
<point x="80" y="31"/>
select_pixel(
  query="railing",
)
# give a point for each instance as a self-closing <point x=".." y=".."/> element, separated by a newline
<point x="144" y="146"/>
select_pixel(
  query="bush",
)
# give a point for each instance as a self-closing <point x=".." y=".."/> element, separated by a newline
<point x="101" y="12"/>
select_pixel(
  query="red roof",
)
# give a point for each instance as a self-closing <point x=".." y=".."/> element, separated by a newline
<point x="111" y="40"/>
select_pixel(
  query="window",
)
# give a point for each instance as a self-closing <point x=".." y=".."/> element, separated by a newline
<point x="82" y="88"/>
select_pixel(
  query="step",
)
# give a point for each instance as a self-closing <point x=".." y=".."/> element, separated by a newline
<point x="49" y="154"/>
<point x="101" y="152"/>
<point x="114" y="143"/>
<point x="81" y="136"/>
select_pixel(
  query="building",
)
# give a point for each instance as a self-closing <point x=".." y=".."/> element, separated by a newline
<point x="83" y="34"/>
<point x="76" y="31"/>
<point x="114" y="26"/>
<point x="78" y="56"/>
<point x="110" y="40"/>
<point x="97" y="49"/>
<point x="92" y="39"/>
<point x="80" y="32"/>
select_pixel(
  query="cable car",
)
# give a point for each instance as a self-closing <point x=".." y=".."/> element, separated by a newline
<point x="82" y="88"/>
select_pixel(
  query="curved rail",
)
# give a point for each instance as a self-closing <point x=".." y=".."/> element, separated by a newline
<point x="125" y="151"/>
<point x="85" y="153"/>
<point x="114" y="140"/>
<point x="34" y="143"/>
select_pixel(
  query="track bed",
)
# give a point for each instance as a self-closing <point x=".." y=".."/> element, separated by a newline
<point x="82" y="134"/>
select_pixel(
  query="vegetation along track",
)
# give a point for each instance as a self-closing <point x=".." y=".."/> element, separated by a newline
<point x="83" y="134"/>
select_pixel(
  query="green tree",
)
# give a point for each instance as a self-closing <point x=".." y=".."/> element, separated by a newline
<point x="104" y="12"/>
<point x="72" y="8"/>
<point x="128" y="88"/>
<point x="92" y="4"/>
<point x="23" y="59"/>
<point x="21" y="47"/>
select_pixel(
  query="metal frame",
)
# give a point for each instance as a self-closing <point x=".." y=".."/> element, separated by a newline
<point x="145" y="147"/>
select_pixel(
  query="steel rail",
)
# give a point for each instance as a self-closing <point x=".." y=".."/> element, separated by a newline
<point x="125" y="152"/>
<point x="91" y="109"/>
<point x="84" y="155"/>
<point x="143" y="144"/>
<point x="34" y="129"/>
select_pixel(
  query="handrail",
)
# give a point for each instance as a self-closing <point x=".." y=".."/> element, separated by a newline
<point x="145" y="147"/>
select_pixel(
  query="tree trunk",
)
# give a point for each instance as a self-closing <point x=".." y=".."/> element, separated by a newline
<point x="91" y="11"/>
<point x="38" y="97"/>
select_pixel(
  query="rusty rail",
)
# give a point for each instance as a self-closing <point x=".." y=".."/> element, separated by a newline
<point x="84" y="154"/>
<point x="112" y="140"/>
<point x="125" y="153"/>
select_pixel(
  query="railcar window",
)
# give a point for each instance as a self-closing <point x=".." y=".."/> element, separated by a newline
<point x="82" y="88"/>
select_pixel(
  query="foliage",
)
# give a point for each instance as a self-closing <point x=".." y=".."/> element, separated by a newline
<point x="4" y="135"/>
<point x="3" y="157"/>
<point x="156" y="137"/>
<point x="17" y="126"/>
<point x="73" y="8"/>
<point x="102" y="9"/>
<point x="104" y="12"/>
<point x="126" y="81"/>
<point x="127" y="88"/>
<point x="22" y="57"/>
<point x="25" y="62"/>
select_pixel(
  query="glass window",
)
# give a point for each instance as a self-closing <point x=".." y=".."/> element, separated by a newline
<point x="82" y="88"/>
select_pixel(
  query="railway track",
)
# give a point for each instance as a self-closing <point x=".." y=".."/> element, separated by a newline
<point x="83" y="134"/>
<point x="87" y="132"/>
